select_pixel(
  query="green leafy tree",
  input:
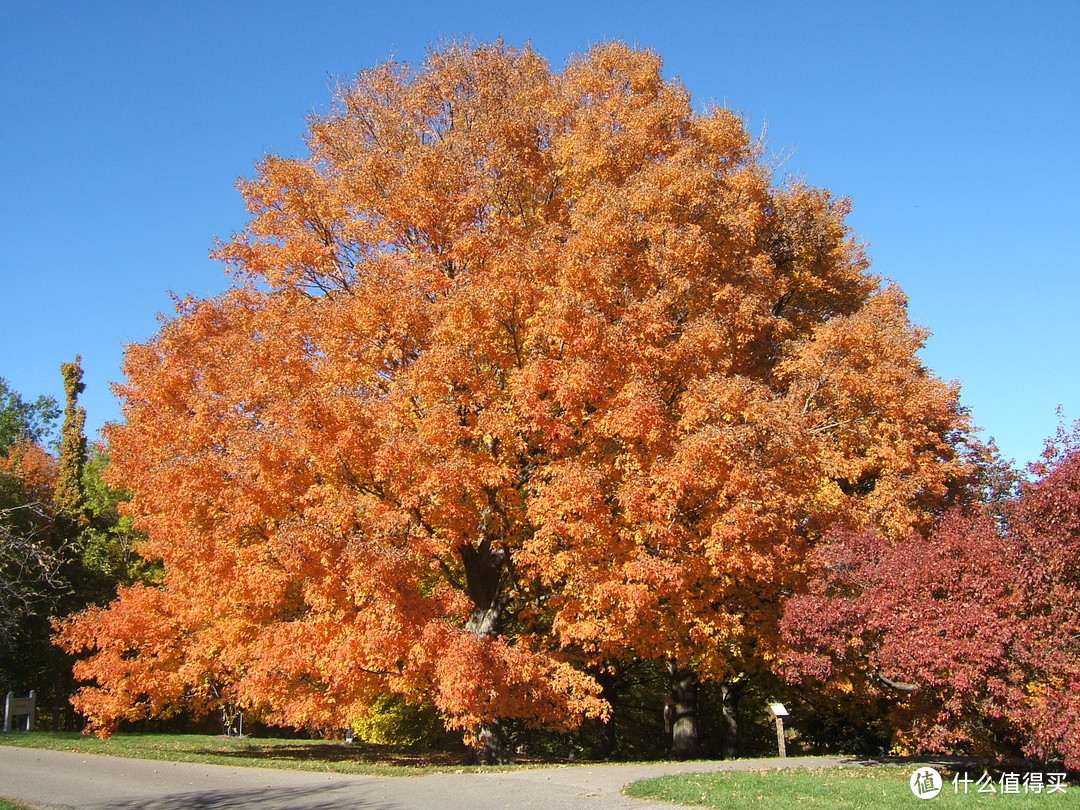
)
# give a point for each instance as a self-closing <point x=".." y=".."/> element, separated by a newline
<point x="22" y="419"/>
<point x="69" y="496"/>
<point x="108" y="541"/>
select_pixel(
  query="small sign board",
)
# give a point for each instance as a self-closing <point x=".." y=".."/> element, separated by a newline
<point x="779" y="712"/>
<point x="19" y="707"/>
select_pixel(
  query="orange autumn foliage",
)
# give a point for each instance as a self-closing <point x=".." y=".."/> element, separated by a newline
<point x="520" y="371"/>
<point x="28" y="472"/>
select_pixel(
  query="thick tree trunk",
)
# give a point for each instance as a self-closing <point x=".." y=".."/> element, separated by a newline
<point x="681" y="711"/>
<point x="607" y="742"/>
<point x="730" y="694"/>
<point x="484" y="568"/>
<point x="490" y="748"/>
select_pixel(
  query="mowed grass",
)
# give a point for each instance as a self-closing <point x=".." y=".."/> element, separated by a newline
<point x="305" y="755"/>
<point x="883" y="787"/>
<point x="7" y="804"/>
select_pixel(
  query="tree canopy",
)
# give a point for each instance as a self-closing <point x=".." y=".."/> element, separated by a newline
<point x="521" y="373"/>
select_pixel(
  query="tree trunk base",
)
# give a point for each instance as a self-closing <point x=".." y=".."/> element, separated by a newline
<point x="490" y="747"/>
<point x="606" y="741"/>
<point x="682" y="712"/>
<point x="730" y="695"/>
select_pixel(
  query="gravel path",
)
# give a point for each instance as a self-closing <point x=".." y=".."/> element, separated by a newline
<point x="63" y="781"/>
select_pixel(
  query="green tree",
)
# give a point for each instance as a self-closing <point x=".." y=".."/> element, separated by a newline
<point x="108" y="541"/>
<point x="69" y="497"/>
<point x="22" y="419"/>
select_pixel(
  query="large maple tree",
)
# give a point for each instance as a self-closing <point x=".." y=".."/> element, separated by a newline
<point x="521" y="373"/>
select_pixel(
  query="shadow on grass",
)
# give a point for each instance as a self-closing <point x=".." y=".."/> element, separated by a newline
<point x="366" y="754"/>
<point x="331" y="752"/>
<point x="940" y="762"/>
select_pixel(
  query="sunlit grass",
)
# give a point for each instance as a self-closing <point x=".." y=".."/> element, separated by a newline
<point x="882" y="786"/>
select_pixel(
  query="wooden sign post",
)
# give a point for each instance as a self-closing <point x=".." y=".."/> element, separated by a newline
<point x="779" y="712"/>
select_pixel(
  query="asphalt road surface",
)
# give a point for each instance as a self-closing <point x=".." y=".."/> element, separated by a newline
<point x="63" y="781"/>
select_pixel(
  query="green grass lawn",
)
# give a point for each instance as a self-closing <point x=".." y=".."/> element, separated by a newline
<point x="7" y="804"/>
<point x="306" y="755"/>
<point x="880" y="786"/>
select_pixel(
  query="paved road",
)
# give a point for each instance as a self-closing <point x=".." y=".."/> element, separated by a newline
<point x="62" y="781"/>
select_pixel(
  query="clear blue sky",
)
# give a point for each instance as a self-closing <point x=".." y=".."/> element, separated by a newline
<point x="951" y="125"/>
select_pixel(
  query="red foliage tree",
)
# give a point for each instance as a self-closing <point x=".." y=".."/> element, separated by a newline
<point x="1046" y="525"/>
<point x="978" y="621"/>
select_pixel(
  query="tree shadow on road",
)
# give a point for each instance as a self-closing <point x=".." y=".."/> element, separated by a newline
<point x="269" y="798"/>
